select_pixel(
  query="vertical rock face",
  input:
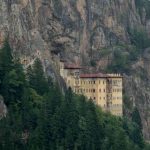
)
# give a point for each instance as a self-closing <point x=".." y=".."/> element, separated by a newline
<point x="79" y="26"/>
<point x="3" y="109"/>
<point x="76" y="30"/>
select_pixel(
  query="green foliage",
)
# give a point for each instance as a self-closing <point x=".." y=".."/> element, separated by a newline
<point x="93" y="63"/>
<point x="139" y="38"/>
<point x="6" y="59"/>
<point x="120" y="63"/>
<point x="40" y="117"/>
<point x="125" y="55"/>
<point x="105" y="52"/>
<point x="58" y="8"/>
<point x="140" y="4"/>
<point x="134" y="132"/>
<point x="37" y="78"/>
<point x="128" y="104"/>
<point x="147" y="147"/>
<point x="136" y="117"/>
<point x="11" y="76"/>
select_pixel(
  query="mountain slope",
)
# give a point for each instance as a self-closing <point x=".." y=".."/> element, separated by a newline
<point x="89" y="32"/>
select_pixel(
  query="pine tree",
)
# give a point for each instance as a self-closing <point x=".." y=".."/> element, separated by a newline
<point x="6" y="65"/>
<point x="93" y="142"/>
<point x="28" y="115"/>
<point x="12" y="76"/>
<point x="136" y="117"/>
<point x="71" y="120"/>
<point x="6" y="59"/>
<point x="37" y="78"/>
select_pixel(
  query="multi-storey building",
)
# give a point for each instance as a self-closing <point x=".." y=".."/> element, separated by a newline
<point x="104" y="89"/>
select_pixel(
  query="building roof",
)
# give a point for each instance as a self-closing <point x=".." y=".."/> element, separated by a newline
<point x="114" y="75"/>
<point x="72" y="66"/>
<point x="100" y="75"/>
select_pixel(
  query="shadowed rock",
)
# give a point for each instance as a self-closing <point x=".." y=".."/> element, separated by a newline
<point x="3" y="109"/>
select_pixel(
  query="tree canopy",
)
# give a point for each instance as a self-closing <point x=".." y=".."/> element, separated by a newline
<point x="40" y="117"/>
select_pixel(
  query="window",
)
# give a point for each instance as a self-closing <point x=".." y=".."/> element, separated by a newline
<point x="99" y="90"/>
<point x="93" y="90"/>
<point x="104" y="90"/>
<point x="76" y="73"/>
<point x="100" y="98"/>
<point x="103" y="97"/>
<point x="94" y="82"/>
<point x="76" y="82"/>
<point x="99" y="82"/>
<point x="115" y="82"/>
<point x="103" y="82"/>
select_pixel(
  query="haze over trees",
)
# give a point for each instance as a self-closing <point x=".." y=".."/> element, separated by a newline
<point x="40" y="117"/>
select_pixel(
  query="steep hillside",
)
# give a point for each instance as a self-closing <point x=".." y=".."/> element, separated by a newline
<point x="105" y="35"/>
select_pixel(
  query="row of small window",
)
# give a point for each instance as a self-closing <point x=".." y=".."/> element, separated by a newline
<point x="85" y="90"/>
<point x="115" y="98"/>
<point x="91" y="82"/>
<point x="114" y="105"/>
<point x="116" y="81"/>
<point x="92" y="90"/>
<point x="117" y="90"/>
<point x="100" y="90"/>
<point x="100" y="82"/>
<point x="102" y="98"/>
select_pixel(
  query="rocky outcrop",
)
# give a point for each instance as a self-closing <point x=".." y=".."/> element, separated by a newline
<point x="3" y="109"/>
<point x="77" y="30"/>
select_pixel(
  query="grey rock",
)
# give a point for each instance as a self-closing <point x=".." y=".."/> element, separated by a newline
<point x="3" y="108"/>
<point x="78" y="30"/>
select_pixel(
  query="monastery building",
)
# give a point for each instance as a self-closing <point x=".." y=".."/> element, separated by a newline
<point x="104" y="89"/>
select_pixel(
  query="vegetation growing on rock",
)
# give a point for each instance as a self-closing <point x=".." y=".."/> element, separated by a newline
<point x="41" y="117"/>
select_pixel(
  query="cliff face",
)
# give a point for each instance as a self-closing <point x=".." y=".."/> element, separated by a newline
<point x="79" y="30"/>
<point x="3" y="108"/>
